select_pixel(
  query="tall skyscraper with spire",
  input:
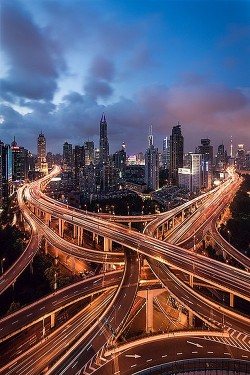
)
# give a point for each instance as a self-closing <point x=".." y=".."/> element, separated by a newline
<point x="42" y="164"/>
<point x="151" y="164"/>
<point x="104" y="144"/>
<point x="176" y="153"/>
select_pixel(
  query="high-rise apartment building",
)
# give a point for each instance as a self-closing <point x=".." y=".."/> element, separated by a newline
<point x="5" y="172"/>
<point x="89" y="151"/>
<point x="104" y="144"/>
<point x="151" y="164"/>
<point x="79" y="162"/>
<point x="20" y="163"/>
<point x="176" y="153"/>
<point x="166" y="153"/>
<point x="190" y="177"/>
<point x="221" y="158"/>
<point x="67" y="157"/>
<point x="42" y="165"/>
<point x="241" y="157"/>
<point x="119" y="159"/>
<point x="206" y="150"/>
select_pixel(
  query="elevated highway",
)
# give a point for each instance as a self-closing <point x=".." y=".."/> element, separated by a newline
<point x="87" y="353"/>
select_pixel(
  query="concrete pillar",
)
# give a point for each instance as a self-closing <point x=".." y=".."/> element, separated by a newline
<point x="47" y="218"/>
<point x="149" y="296"/>
<point x="182" y="215"/>
<point x="106" y="244"/>
<point x="46" y="245"/>
<point x="129" y="225"/>
<point x="231" y="300"/>
<point x="191" y="280"/>
<point x="75" y="230"/>
<point x="149" y="312"/>
<point x="79" y="236"/>
<point x="61" y="227"/>
<point x="172" y="221"/>
<point x="52" y="320"/>
<point x="162" y="231"/>
<point x="190" y="318"/>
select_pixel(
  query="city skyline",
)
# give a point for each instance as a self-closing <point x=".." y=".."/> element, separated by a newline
<point x="142" y="63"/>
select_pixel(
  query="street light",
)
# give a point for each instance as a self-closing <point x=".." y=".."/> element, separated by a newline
<point x="2" y="260"/>
<point x="229" y="236"/>
<point x="55" y="281"/>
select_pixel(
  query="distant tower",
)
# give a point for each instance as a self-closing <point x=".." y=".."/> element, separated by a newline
<point x="176" y="153"/>
<point x="231" y="147"/>
<point x="41" y="153"/>
<point x="104" y="144"/>
<point x="151" y="164"/>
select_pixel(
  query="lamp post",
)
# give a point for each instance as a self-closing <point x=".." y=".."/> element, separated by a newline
<point x="2" y="261"/>
<point x="229" y="236"/>
<point x="55" y="281"/>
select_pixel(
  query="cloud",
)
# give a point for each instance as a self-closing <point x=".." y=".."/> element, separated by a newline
<point x="34" y="60"/>
<point x="102" y="68"/>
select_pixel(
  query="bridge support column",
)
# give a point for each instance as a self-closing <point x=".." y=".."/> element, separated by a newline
<point x="149" y="312"/>
<point x="47" y="218"/>
<point x="61" y="227"/>
<point x="182" y="215"/>
<point x="75" y="231"/>
<point x="149" y="296"/>
<point x="46" y="245"/>
<point x="107" y="244"/>
<point x="191" y="280"/>
<point x="190" y="318"/>
<point x="172" y="221"/>
<point x="52" y="320"/>
<point x="231" y="300"/>
<point x="129" y="225"/>
<point x="79" y="236"/>
<point x="162" y="231"/>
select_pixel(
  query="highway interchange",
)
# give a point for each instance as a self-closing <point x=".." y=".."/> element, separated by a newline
<point x="85" y="341"/>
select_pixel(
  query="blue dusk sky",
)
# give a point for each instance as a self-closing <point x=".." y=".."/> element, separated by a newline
<point x="141" y="62"/>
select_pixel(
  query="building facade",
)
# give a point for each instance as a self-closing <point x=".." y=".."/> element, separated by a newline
<point x="176" y="153"/>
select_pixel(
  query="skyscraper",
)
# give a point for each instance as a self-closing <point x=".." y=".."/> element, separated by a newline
<point x="5" y="172"/>
<point x="67" y="157"/>
<point x="151" y="164"/>
<point x="206" y="150"/>
<point x="166" y="153"/>
<point x="176" y="153"/>
<point x="89" y="150"/>
<point x="42" y="165"/>
<point x="104" y="144"/>
<point x="221" y="158"/>
<point x="119" y="159"/>
<point x="19" y="162"/>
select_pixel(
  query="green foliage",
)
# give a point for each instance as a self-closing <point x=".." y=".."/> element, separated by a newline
<point x="239" y="225"/>
<point x="11" y="244"/>
<point x="13" y="307"/>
